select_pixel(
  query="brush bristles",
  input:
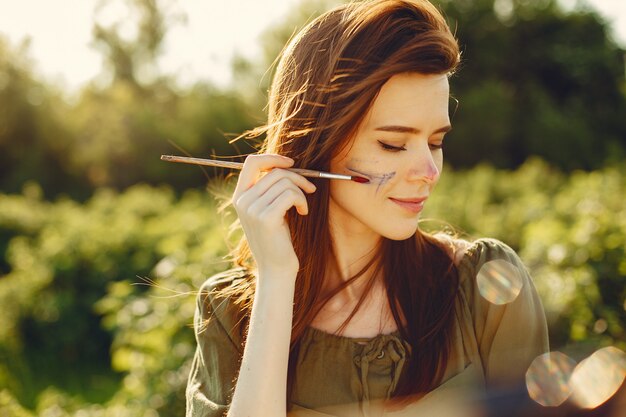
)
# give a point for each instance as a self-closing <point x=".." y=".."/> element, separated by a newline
<point x="360" y="180"/>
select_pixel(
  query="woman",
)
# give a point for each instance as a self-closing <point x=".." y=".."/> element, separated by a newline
<point x="344" y="306"/>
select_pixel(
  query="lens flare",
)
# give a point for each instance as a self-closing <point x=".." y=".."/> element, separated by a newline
<point x="547" y="378"/>
<point x="598" y="377"/>
<point x="499" y="281"/>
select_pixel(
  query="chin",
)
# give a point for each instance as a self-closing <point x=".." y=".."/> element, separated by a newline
<point x="400" y="234"/>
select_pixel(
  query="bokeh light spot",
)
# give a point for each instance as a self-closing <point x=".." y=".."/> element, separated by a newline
<point x="598" y="377"/>
<point x="547" y="378"/>
<point x="499" y="281"/>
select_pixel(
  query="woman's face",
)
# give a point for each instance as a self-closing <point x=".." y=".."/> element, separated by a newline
<point x="398" y="148"/>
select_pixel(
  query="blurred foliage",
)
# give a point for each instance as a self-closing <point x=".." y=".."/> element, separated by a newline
<point x="123" y="131"/>
<point x="33" y="137"/>
<point x="113" y="134"/>
<point x="536" y="81"/>
<point x="98" y="298"/>
<point x="133" y="58"/>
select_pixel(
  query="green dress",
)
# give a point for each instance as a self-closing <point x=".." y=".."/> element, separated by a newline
<point x="493" y="341"/>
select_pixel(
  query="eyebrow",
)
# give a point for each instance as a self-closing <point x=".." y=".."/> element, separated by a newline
<point x="407" y="129"/>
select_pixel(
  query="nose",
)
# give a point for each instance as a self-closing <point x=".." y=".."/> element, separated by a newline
<point x="423" y="166"/>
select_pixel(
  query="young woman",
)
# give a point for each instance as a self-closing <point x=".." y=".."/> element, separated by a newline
<point x="344" y="306"/>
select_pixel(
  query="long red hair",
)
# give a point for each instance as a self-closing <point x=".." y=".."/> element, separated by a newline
<point x="327" y="78"/>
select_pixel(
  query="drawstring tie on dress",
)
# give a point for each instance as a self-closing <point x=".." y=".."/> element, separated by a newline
<point x="396" y="351"/>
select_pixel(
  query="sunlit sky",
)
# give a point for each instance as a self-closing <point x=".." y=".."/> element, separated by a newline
<point x="200" y="49"/>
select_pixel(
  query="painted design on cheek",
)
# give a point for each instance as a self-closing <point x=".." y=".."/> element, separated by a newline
<point x="378" y="179"/>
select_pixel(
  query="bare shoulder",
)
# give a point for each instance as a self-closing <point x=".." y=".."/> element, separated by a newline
<point x="455" y="246"/>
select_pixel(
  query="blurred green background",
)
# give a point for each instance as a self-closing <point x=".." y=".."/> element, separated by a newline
<point x="103" y="245"/>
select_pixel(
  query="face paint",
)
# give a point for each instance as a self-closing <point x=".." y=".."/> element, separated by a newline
<point x="378" y="179"/>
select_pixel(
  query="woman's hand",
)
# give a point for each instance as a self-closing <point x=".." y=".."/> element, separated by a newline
<point x="262" y="204"/>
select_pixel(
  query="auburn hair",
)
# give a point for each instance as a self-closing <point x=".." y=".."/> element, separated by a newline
<point x="326" y="79"/>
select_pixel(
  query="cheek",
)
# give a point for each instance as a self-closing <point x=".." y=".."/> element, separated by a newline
<point x="373" y="169"/>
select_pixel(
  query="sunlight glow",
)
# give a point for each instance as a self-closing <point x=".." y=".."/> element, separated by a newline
<point x="200" y="50"/>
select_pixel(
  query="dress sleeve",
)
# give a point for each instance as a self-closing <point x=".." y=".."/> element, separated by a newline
<point x="507" y="314"/>
<point x="218" y="354"/>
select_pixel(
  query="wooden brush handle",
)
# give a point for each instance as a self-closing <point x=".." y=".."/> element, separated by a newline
<point x="229" y="164"/>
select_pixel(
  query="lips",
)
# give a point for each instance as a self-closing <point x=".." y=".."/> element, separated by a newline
<point x="410" y="200"/>
<point x="413" y="205"/>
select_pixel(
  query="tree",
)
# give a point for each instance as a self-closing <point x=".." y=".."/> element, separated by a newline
<point x="123" y="127"/>
<point x="536" y="81"/>
<point x="130" y="57"/>
<point x="34" y="142"/>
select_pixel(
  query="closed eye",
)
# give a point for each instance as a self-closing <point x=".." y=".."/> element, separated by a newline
<point x="391" y="148"/>
<point x="433" y="146"/>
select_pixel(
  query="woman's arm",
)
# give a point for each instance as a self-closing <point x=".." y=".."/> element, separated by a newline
<point x="261" y="206"/>
<point x="261" y="388"/>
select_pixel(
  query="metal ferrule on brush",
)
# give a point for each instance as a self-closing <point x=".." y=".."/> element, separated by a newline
<point x="335" y="176"/>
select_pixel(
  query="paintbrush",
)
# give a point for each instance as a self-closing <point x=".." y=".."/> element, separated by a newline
<point x="238" y="165"/>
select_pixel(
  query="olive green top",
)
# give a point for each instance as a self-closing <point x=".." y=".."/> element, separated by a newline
<point x="500" y="328"/>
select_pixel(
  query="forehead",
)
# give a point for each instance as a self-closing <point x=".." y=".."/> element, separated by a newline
<point x="411" y="99"/>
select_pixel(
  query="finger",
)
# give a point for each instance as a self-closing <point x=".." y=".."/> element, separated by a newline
<point x="277" y="173"/>
<point x="287" y="199"/>
<point x="254" y="165"/>
<point x="262" y="202"/>
<point x="268" y="182"/>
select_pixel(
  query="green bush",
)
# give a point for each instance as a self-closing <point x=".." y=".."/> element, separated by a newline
<point x="98" y="298"/>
